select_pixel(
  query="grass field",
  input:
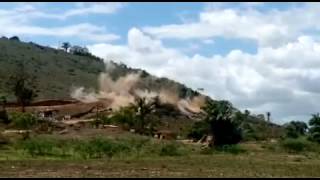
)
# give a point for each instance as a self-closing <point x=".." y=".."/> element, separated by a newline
<point x="220" y="165"/>
<point x="257" y="160"/>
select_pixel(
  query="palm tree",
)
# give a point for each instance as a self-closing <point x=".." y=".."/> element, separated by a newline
<point x="268" y="116"/>
<point x="66" y="46"/>
<point x="142" y="108"/>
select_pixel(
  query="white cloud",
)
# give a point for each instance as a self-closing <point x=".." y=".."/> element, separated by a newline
<point x="18" y="21"/>
<point x="30" y="10"/>
<point x="94" y="8"/>
<point x="281" y="80"/>
<point x="82" y="31"/>
<point x="268" y="28"/>
<point x="253" y="3"/>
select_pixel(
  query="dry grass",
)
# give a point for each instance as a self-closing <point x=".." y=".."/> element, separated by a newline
<point x="222" y="165"/>
<point x="256" y="162"/>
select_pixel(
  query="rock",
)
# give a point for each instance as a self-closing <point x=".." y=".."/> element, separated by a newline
<point x="65" y="131"/>
<point x="110" y="126"/>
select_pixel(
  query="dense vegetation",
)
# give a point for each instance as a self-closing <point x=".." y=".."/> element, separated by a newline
<point x="99" y="147"/>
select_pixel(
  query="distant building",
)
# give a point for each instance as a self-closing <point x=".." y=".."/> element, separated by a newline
<point x="48" y="114"/>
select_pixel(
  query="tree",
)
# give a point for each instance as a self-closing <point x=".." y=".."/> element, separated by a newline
<point x="78" y="50"/>
<point x="223" y="126"/>
<point x="247" y="112"/>
<point x="294" y="129"/>
<point x="66" y="46"/>
<point x="199" y="129"/>
<point x="142" y="109"/>
<point x="14" y="38"/>
<point x="23" y="85"/>
<point x="268" y="116"/>
<point x="3" y="113"/>
<point x="3" y="101"/>
<point x="124" y="116"/>
<point x="314" y="131"/>
<point x="261" y="117"/>
<point x="240" y="118"/>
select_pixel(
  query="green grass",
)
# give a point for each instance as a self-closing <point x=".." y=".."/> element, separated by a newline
<point x="139" y="156"/>
<point x="99" y="147"/>
<point x="292" y="146"/>
<point x="296" y="145"/>
<point x="23" y="120"/>
<point x="230" y="149"/>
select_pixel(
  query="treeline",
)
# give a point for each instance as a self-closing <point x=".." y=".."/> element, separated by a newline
<point x="229" y="126"/>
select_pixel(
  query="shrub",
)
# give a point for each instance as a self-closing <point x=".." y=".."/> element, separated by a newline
<point x="269" y="146"/>
<point x="314" y="136"/>
<point x="3" y="140"/>
<point x="294" y="129"/>
<point x="124" y="116"/>
<point x="23" y="120"/>
<point x="295" y="145"/>
<point x="106" y="120"/>
<point x="233" y="149"/>
<point x="100" y="147"/>
<point x="170" y="149"/>
<point x="254" y="132"/>
<point x="207" y="151"/>
<point x="199" y="129"/>
<point x="38" y="146"/>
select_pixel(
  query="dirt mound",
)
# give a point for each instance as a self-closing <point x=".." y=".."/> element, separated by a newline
<point x="51" y="102"/>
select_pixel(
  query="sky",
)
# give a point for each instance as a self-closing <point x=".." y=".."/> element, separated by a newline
<point x="264" y="57"/>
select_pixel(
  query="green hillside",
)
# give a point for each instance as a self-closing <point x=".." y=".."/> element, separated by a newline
<point x="57" y="71"/>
